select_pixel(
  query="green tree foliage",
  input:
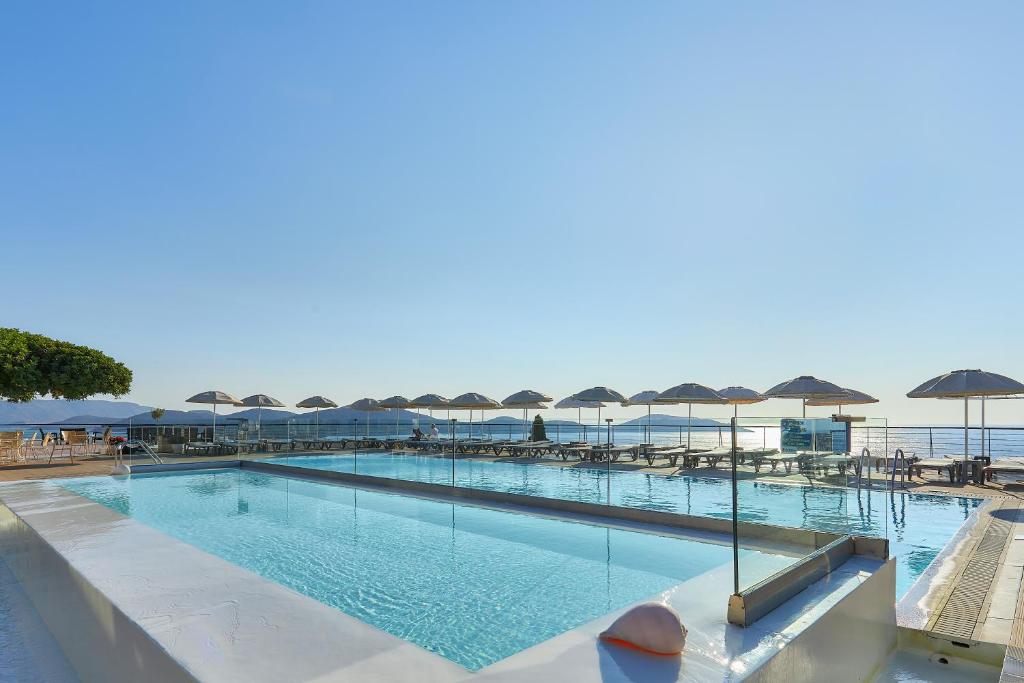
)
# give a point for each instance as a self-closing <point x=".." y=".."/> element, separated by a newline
<point x="157" y="413"/>
<point x="538" y="433"/>
<point x="33" y="365"/>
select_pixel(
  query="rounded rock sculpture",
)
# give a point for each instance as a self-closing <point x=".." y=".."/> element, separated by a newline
<point x="652" y="627"/>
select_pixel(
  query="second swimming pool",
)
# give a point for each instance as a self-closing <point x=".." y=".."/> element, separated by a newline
<point x="917" y="525"/>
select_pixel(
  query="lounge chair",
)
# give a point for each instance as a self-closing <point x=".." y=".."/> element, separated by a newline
<point x="948" y="465"/>
<point x="611" y="452"/>
<point x="203" y="447"/>
<point x="574" y="449"/>
<point x="1004" y="467"/>
<point x="70" y="439"/>
<point x="689" y="456"/>
<point x="530" y="448"/>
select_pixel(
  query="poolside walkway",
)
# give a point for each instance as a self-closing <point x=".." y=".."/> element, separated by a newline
<point x="980" y="603"/>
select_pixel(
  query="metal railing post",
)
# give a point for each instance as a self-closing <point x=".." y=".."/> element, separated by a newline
<point x="608" y="460"/>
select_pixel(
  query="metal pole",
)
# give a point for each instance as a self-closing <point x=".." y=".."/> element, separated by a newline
<point x="689" y="416"/>
<point x="735" y="516"/>
<point x="983" y="428"/>
<point x="453" y="453"/>
<point x="608" y="459"/>
<point x="963" y="475"/>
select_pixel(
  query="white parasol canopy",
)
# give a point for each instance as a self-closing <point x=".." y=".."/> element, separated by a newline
<point x="967" y="384"/>
<point x="690" y="393"/>
<point x="316" y="402"/>
<point x="473" y="401"/>
<point x="214" y="398"/>
<point x="806" y="387"/>
<point x="258" y="401"/>
<point x="526" y="399"/>
<point x="601" y="395"/>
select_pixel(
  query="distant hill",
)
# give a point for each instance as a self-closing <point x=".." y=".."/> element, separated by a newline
<point x="661" y="420"/>
<point x="347" y="415"/>
<point x="46" y="411"/>
<point x="506" y="420"/>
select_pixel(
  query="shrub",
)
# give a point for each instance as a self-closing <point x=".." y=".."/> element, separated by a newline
<point x="538" y="433"/>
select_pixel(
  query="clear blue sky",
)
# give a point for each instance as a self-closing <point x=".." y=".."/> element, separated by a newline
<point x="373" y="198"/>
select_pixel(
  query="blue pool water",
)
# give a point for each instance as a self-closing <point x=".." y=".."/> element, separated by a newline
<point x="917" y="525"/>
<point x="471" y="584"/>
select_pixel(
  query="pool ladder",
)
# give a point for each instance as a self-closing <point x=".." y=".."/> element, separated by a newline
<point x="141" y="445"/>
<point x="900" y="458"/>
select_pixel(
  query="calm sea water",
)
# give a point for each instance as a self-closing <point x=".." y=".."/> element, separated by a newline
<point x="1000" y="442"/>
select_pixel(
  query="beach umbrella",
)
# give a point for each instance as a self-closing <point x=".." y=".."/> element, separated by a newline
<point x="258" y="401"/>
<point x="740" y="396"/>
<point x="473" y="401"/>
<point x="967" y="384"/>
<point x="690" y="393"/>
<point x="214" y="398"/>
<point x="601" y="395"/>
<point x="643" y="398"/>
<point x="807" y="388"/>
<point x="317" y="402"/>
<point x="430" y="402"/>
<point x="853" y="398"/>
<point x="398" y="404"/>
<point x="366" y="405"/>
<point x="569" y="403"/>
<point x="526" y="399"/>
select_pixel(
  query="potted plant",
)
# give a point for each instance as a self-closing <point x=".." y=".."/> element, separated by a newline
<point x="538" y="432"/>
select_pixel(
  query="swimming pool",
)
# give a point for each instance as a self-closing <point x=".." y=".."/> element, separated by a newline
<point x="472" y="584"/>
<point x="917" y="525"/>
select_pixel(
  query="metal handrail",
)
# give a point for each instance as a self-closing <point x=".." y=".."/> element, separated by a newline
<point x="865" y="453"/>
<point x="901" y="458"/>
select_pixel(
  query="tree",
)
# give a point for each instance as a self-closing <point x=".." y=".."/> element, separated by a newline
<point x="157" y="413"/>
<point x="539" y="433"/>
<point x="33" y="365"/>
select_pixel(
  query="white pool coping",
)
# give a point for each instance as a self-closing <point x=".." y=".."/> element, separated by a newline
<point x="224" y="623"/>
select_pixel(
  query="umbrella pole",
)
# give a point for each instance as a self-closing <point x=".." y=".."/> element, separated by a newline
<point x="689" y="419"/>
<point x="259" y="422"/>
<point x="983" y="429"/>
<point x="214" y="439"/>
<point x="317" y="435"/>
<point x="803" y="402"/>
<point x="963" y="477"/>
<point x="648" y="439"/>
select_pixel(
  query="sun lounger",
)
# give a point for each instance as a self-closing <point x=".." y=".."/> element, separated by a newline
<point x="947" y="465"/>
<point x="690" y="457"/>
<point x="530" y="448"/>
<point x="760" y="456"/>
<point x="239" y="445"/>
<point x="578" y="450"/>
<point x="1004" y="467"/>
<point x="204" y="447"/>
<point x="652" y="452"/>
<point x="612" y="452"/>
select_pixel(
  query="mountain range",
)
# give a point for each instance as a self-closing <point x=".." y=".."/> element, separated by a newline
<point x="47" y="411"/>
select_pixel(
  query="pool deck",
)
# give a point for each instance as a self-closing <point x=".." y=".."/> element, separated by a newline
<point x="92" y="466"/>
<point x="982" y="580"/>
